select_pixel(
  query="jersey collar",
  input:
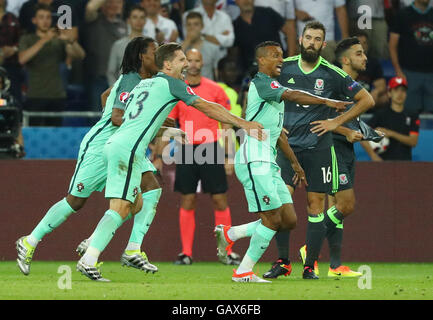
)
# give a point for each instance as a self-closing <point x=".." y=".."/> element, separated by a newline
<point x="312" y="70"/>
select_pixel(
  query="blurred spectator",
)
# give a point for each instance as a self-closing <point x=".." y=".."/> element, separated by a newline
<point x="42" y="52"/>
<point x="157" y="27"/>
<point x="136" y="21"/>
<point x="406" y="3"/>
<point x="103" y="27"/>
<point x="253" y="26"/>
<point x="411" y="52"/>
<point x="10" y="32"/>
<point x="14" y="6"/>
<point x="323" y="11"/>
<point x="11" y="138"/>
<point x="372" y="79"/>
<point x="378" y="33"/>
<point x="228" y="6"/>
<point x="287" y="9"/>
<point x="227" y="75"/>
<point x="193" y="39"/>
<point x="173" y="10"/>
<point x="27" y="12"/>
<point x="218" y="27"/>
<point x="398" y="126"/>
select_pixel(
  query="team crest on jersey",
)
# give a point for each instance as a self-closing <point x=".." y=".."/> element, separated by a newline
<point x="80" y="187"/>
<point x="343" y="179"/>
<point x="190" y="91"/>
<point x="266" y="200"/>
<point x="275" y="85"/>
<point x="123" y="97"/>
<point x="320" y="84"/>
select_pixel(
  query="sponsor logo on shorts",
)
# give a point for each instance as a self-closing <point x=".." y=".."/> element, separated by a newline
<point x="80" y="187"/>
<point x="343" y="179"/>
<point x="266" y="200"/>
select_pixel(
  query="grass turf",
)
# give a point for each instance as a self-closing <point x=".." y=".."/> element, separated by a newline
<point x="212" y="281"/>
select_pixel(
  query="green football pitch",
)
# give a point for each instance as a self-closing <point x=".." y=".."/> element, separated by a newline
<point x="212" y="281"/>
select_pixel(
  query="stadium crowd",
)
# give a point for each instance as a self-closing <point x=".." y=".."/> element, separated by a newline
<point x="65" y="60"/>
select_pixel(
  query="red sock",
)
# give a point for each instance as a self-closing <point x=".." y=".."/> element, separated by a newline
<point x="223" y="217"/>
<point x="187" y="228"/>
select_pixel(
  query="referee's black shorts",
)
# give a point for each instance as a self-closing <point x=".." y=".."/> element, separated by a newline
<point x="207" y="166"/>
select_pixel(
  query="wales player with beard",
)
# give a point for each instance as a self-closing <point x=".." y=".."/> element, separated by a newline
<point x="313" y="146"/>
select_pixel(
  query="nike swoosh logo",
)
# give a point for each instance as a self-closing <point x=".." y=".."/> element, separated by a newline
<point x="49" y="225"/>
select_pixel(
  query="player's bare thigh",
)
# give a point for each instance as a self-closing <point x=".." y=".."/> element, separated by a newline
<point x="149" y="182"/>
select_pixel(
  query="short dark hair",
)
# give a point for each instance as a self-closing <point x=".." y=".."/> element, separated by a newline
<point x="315" y="25"/>
<point x="166" y="53"/>
<point x="41" y="6"/>
<point x="259" y="48"/>
<point x="360" y="33"/>
<point x="131" y="58"/>
<point x="343" y="46"/>
<point x="194" y="15"/>
<point x="136" y="7"/>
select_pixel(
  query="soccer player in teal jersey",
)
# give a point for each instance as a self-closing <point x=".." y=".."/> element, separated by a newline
<point x="90" y="172"/>
<point x="256" y="167"/>
<point x="148" y="106"/>
<point x="312" y="145"/>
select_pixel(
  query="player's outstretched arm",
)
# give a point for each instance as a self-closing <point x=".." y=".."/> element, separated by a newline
<point x="306" y="98"/>
<point x="219" y="113"/>
<point x="284" y="146"/>
<point x="364" y="101"/>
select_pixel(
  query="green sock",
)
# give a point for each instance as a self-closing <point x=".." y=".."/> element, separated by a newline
<point x="54" y="217"/>
<point x="334" y="234"/>
<point x="105" y="230"/>
<point x="144" y="218"/>
<point x="258" y="244"/>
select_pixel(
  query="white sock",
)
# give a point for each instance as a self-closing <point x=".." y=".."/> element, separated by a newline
<point x="91" y="256"/>
<point x="246" y="265"/>
<point x="32" y="241"/>
<point x="242" y="231"/>
<point x="132" y="246"/>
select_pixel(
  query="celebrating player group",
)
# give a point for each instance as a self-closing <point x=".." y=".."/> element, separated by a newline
<point x="301" y="121"/>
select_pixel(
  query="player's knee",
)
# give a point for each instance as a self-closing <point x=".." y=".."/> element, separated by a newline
<point x="75" y="202"/>
<point x="219" y="202"/>
<point x="346" y="207"/>
<point x="188" y="202"/>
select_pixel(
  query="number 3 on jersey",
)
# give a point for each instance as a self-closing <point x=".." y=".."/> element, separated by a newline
<point x="140" y="99"/>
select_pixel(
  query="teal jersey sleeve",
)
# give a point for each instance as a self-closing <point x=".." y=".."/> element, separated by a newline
<point x="180" y="90"/>
<point x="268" y="89"/>
<point x="126" y="84"/>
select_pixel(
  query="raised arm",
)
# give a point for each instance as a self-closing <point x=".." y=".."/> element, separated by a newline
<point x="306" y="98"/>
<point x="219" y="113"/>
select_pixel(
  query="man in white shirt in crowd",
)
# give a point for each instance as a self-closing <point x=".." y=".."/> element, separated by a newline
<point x="218" y="26"/>
<point x="158" y="27"/>
<point x="194" y="40"/>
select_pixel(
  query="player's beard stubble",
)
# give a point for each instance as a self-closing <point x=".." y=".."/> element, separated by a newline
<point x="310" y="55"/>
